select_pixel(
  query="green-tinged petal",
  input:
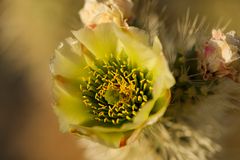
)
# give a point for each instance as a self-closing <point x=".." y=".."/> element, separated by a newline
<point x="163" y="78"/>
<point x="167" y="80"/>
<point x="139" y="35"/>
<point x="112" y="139"/>
<point x="141" y="116"/>
<point x="69" y="61"/>
<point x="160" y="107"/>
<point x="137" y="51"/>
<point x="101" y="41"/>
<point x="69" y="107"/>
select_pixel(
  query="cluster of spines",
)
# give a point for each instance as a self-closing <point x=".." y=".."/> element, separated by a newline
<point x="190" y="83"/>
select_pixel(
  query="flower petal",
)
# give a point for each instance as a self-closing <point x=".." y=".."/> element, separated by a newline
<point x="112" y="139"/>
<point x="160" y="107"/>
<point x="164" y="78"/>
<point x="69" y="61"/>
<point x="101" y="41"/>
<point x="136" y="48"/>
<point x="140" y="119"/>
<point x="69" y="108"/>
<point x="140" y="35"/>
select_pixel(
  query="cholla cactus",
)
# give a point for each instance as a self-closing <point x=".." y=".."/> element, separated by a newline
<point x="112" y="85"/>
<point x="166" y="139"/>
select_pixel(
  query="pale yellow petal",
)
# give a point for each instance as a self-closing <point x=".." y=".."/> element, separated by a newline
<point x="69" y="107"/>
<point x="136" y="48"/>
<point x="112" y="139"/>
<point x="165" y="79"/>
<point x="68" y="60"/>
<point x="160" y="107"/>
<point x="101" y="41"/>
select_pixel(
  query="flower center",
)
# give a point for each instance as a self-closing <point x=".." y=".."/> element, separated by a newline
<point x="116" y="90"/>
<point x="112" y="96"/>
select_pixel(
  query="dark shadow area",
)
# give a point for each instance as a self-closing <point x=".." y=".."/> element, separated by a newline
<point x="15" y="102"/>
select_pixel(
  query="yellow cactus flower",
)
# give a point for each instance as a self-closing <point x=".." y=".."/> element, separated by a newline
<point x="109" y="83"/>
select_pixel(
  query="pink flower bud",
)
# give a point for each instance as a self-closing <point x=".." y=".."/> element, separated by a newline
<point x="218" y="54"/>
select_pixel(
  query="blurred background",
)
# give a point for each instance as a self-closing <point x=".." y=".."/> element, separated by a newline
<point x="30" y="30"/>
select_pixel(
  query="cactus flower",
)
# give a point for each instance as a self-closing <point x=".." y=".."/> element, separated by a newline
<point x="109" y="83"/>
<point x="218" y="54"/>
<point x="117" y="11"/>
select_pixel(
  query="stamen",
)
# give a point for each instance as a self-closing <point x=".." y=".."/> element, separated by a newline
<point x="116" y="90"/>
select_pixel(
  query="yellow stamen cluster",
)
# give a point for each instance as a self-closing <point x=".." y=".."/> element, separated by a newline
<point x="116" y="90"/>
